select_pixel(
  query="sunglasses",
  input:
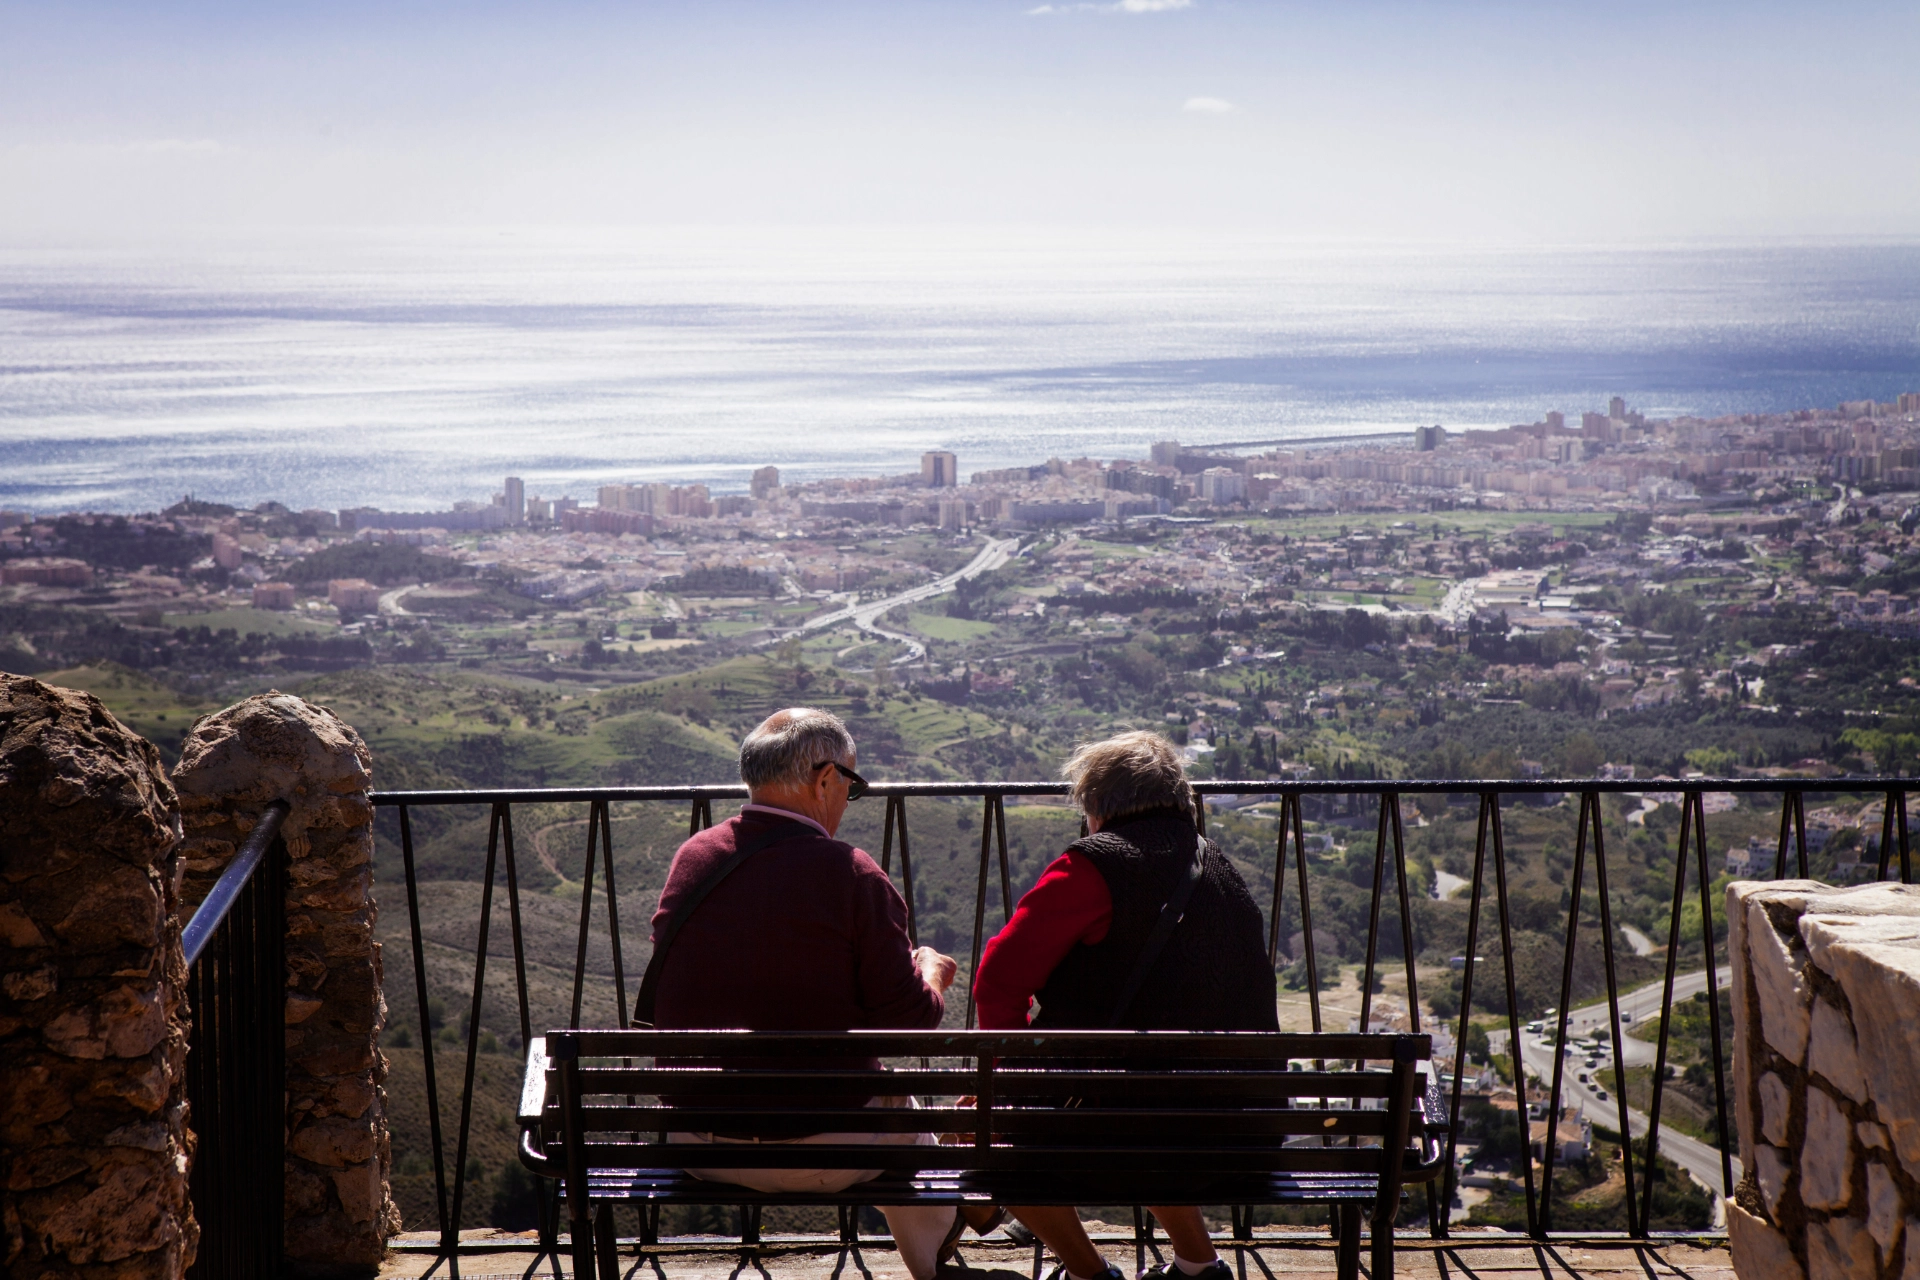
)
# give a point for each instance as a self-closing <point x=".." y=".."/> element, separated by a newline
<point x="856" y="785"/>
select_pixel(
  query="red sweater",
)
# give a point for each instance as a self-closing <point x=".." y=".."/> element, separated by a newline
<point x="806" y="935"/>
<point x="1069" y="906"/>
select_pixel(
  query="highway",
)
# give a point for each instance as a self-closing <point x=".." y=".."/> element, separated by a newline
<point x="865" y="614"/>
<point x="1696" y="1157"/>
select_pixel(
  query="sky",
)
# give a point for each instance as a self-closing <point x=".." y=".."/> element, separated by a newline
<point x="1353" y="120"/>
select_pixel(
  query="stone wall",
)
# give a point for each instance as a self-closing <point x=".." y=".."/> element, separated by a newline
<point x="1826" y="1010"/>
<point x="339" y="1213"/>
<point x="93" y="1038"/>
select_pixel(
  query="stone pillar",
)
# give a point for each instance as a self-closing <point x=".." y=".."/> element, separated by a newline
<point x="1826" y="1013"/>
<point x="339" y="1212"/>
<point x="93" y="1036"/>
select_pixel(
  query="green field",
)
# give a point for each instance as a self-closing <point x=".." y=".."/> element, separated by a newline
<point x="938" y="626"/>
<point x="248" y="621"/>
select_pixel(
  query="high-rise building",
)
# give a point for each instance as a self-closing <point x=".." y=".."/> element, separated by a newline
<point x="1617" y="409"/>
<point x="766" y="482"/>
<point x="1166" y="453"/>
<point x="516" y="494"/>
<point x="1222" y="485"/>
<point x="1556" y="420"/>
<point x="939" y="469"/>
<point x="1428" y="439"/>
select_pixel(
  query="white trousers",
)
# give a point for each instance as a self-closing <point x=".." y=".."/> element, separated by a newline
<point x="917" y="1229"/>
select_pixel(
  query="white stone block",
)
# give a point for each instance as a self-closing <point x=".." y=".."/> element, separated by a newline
<point x="1840" y="1249"/>
<point x="1770" y="1168"/>
<point x="1831" y="1051"/>
<point x="1780" y="984"/>
<point x="1826" y="1161"/>
<point x="1740" y="986"/>
<point x="1775" y="1106"/>
<point x="1760" y="1251"/>
<point x="1883" y="1208"/>
<point x="1877" y="963"/>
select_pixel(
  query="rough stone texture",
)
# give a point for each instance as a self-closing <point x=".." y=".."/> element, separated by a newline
<point x="1826" y="1158"/>
<point x="94" y="1144"/>
<point x="1840" y="1249"/>
<point x="233" y="764"/>
<point x="1826" y="1014"/>
<point x="1883" y="1209"/>
<point x="1831" y="1052"/>
<point x="1760" y="1251"/>
<point x="1776" y="1108"/>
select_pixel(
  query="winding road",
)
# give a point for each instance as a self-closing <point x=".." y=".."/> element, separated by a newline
<point x="865" y="614"/>
<point x="1691" y="1154"/>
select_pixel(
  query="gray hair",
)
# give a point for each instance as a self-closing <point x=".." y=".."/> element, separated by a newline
<point x="789" y="746"/>
<point x="1127" y="773"/>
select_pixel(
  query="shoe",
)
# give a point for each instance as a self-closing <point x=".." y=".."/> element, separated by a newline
<point x="1018" y="1233"/>
<point x="1111" y="1273"/>
<point x="1216" y="1270"/>
<point x="951" y="1243"/>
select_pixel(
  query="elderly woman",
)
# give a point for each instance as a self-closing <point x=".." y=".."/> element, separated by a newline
<point x="1078" y="935"/>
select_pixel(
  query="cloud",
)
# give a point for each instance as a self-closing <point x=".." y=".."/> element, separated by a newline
<point x="1117" y="6"/>
<point x="1208" y="106"/>
<point x="174" y="146"/>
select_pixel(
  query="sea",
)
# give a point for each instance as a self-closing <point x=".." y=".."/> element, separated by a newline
<point x="412" y="369"/>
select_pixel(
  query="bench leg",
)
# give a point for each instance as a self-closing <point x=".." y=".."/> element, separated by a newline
<point x="580" y="1231"/>
<point x="606" y="1245"/>
<point x="1346" y="1223"/>
<point x="1383" y="1249"/>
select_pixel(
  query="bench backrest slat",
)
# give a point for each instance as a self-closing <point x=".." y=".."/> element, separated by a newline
<point x="1111" y="1046"/>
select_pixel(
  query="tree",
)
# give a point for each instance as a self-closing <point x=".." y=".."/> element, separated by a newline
<point x="1580" y="756"/>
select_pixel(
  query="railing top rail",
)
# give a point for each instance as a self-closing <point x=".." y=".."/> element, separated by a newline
<point x="208" y="917"/>
<point x="1853" y="784"/>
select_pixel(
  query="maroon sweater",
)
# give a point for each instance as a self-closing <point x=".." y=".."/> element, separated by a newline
<point x="806" y="935"/>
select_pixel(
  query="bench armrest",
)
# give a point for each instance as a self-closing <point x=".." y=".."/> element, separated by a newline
<point x="533" y="1089"/>
<point x="533" y="1105"/>
<point x="1431" y="1125"/>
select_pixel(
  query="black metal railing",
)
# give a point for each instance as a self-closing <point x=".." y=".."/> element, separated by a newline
<point x="1640" y="1169"/>
<point x="235" y="947"/>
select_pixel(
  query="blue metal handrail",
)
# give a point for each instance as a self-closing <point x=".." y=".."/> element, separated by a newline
<point x="212" y="912"/>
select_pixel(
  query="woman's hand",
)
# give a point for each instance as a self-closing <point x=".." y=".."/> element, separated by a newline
<point x="936" y="970"/>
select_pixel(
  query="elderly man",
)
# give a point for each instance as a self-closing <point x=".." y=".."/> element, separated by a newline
<point x="1080" y="952"/>
<point x="805" y="934"/>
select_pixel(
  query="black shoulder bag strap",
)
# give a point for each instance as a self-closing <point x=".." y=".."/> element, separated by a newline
<point x="650" y="984"/>
<point x="1170" y="915"/>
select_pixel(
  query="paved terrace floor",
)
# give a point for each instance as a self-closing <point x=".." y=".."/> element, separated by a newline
<point x="490" y="1255"/>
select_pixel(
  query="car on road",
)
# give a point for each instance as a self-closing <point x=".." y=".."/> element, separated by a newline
<point x="1600" y="1094"/>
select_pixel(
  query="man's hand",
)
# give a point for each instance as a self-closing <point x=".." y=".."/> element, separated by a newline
<point x="936" y="970"/>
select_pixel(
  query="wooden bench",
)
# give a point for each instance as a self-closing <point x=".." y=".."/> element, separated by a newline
<point x="1171" y="1118"/>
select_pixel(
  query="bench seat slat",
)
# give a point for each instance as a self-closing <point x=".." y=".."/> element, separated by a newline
<point x="1035" y="1122"/>
<point x="1096" y="1160"/>
<point x="670" y="1186"/>
<point x="700" y="1081"/>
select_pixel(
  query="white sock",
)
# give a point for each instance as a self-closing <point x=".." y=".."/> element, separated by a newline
<point x="1189" y="1268"/>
